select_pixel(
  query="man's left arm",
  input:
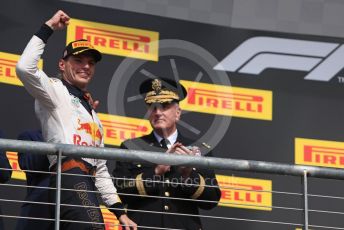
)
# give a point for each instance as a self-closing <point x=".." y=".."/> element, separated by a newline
<point x="110" y="197"/>
<point x="107" y="190"/>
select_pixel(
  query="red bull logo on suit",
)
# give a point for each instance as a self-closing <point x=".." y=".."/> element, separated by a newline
<point x="88" y="134"/>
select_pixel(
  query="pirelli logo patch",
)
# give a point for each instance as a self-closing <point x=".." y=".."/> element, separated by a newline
<point x="227" y="101"/>
<point x="319" y="153"/>
<point x="118" y="128"/>
<point x="116" y="40"/>
<point x="13" y="159"/>
<point x="8" y="68"/>
<point x="245" y="193"/>
<point x="110" y="220"/>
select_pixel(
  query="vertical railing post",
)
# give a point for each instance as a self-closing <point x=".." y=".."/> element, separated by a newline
<point x="58" y="190"/>
<point x="305" y="193"/>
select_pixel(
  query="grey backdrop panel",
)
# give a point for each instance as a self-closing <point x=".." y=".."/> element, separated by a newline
<point x="300" y="108"/>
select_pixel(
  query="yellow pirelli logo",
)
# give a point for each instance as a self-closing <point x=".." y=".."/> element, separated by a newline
<point x="228" y="101"/>
<point x="116" y="40"/>
<point x="110" y="220"/>
<point x="16" y="173"/>
<point x="245" y="193"/>
<point x="8" y="68"/>
<point x="319" y="153"/>
<point x="118" y="128"/>
<point x="82" y="44"/>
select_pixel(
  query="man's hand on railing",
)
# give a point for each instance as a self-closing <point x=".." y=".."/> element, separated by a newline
<point x="128" y="223"/>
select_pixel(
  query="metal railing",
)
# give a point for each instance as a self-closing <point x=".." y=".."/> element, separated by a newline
<point x="170" y="159"/>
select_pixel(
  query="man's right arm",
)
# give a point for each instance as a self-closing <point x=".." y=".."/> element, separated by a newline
<point x="36" y="82"/>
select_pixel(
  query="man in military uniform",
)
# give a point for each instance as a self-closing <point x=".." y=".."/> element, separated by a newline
<point x="178" y="192"/>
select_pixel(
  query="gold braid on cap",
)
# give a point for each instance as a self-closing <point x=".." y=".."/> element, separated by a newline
<point x="156" y="85"/>
<point x="157" y="95"/>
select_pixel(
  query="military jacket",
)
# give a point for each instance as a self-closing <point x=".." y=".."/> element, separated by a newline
<point x="168" y="201"/>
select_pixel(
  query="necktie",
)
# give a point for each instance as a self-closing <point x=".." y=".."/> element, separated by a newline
<point x="163" y="144"/>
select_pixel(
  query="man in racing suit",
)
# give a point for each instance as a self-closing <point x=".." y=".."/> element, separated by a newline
<point x="67" y="116"/>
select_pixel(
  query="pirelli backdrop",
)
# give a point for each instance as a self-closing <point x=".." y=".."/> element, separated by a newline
<point x="252" y="95"/>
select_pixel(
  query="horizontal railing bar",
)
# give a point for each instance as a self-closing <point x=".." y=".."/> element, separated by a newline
<point x="85" y="222"/>
<point x="161" y="182"/>
<point x="170" y="159"/>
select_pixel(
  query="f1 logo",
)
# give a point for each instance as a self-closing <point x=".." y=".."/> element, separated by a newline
<point x="322" y="60"/>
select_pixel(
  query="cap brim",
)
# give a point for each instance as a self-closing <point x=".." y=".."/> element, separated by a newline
<point x="153" y="100"/>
